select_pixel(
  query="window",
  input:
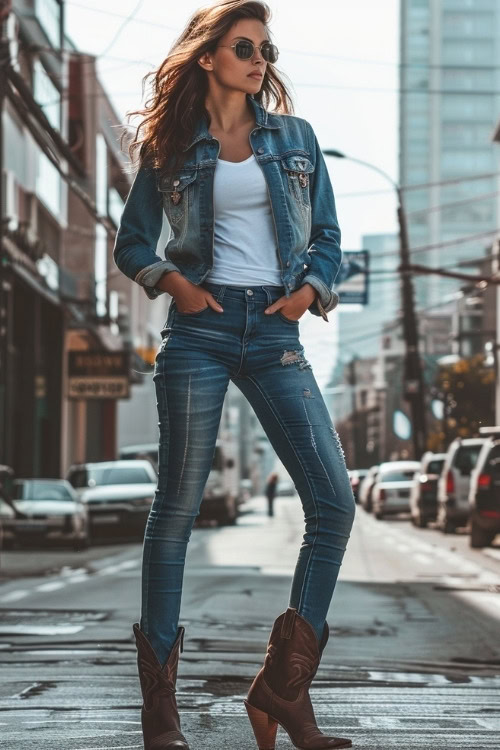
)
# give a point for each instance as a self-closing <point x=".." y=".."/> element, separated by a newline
<point x="95" y="476"/>
<point x="35" y="490"/>
<point x="115" y="205"/>
<point x="396" y="476"/>
<point x="468" y="51"/>
<point x="465" y="458"/>
<point x="493" y="462"/>
<point x="435" y="467"/>
<point x="47" y="95"/>
<point x="48" y="13"/>
<point x="48" y="185"/>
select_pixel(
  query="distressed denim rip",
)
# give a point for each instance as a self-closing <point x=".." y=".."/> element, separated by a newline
<point x="263" y="356"/>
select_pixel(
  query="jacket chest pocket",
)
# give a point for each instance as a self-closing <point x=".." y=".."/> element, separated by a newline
<point x="177" y="195"/>
<point x="298" y="170"/>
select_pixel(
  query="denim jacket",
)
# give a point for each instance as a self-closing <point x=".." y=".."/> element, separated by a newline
<point x="302" y="203"/>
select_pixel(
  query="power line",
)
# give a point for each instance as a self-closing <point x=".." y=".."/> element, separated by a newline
<point x="120" y="29"/>
<point x="439" y="245"/>
<point x="306" y="53"/>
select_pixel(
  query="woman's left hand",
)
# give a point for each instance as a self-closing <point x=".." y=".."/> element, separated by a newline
<point x="294" y="306"/>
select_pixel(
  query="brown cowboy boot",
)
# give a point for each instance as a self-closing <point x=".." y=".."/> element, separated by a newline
<point x="159" y="715"/>
<point x="280" y="692"/>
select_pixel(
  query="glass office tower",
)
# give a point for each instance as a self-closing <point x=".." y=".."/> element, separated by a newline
<point x="449" y="104"/>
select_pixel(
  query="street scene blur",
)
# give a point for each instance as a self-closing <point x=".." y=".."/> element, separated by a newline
<point x="408" y="366"/>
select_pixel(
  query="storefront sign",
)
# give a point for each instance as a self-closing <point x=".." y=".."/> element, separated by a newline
<point x="98" y="374"/>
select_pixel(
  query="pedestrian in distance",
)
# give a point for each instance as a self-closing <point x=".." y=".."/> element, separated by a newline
<point x="271" y="492"/>
<point x="254" y="243"/>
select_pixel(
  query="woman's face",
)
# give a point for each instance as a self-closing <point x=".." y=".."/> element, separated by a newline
<point x="231" y="72"/>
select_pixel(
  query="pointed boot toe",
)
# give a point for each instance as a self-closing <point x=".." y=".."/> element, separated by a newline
<point x="280" y="692"/>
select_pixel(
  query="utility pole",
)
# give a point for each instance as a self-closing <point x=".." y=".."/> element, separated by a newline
<point x="496" y="344"/>
<point x="354" y="410"/>
<point x="5" y="8"/>
<point x="413" y="378"/>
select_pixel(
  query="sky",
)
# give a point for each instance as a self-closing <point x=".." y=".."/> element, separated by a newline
<point x="340" y="60"/>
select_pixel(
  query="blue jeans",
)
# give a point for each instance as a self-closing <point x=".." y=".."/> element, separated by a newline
<point x="263" y="356"/>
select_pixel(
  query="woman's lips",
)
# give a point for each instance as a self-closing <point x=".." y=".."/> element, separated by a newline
<point x="255" y="75"/>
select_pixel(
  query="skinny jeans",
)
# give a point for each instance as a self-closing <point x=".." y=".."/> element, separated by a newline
<point x="263" y="356"/>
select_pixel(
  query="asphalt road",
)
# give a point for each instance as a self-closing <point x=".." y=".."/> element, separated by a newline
<point x="413" y="659"/>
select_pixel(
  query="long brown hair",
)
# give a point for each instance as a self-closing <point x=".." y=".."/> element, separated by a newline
<point x="179" y="84"/>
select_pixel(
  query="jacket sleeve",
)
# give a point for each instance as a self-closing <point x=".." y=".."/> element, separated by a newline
<point x="140" y="226"/>
<point x="324" y="249"/>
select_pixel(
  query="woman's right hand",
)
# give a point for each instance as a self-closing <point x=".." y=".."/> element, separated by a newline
<point x="189" y="297"/>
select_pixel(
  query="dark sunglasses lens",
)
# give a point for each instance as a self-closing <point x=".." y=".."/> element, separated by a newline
<point x="270" y="52"/>
<point x="244" y="50"/>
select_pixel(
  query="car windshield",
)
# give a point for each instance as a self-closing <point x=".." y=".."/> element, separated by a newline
<point x="93" y="477"/>
<point x="466" y="457"/>
<point x="397" y="476"/>
<point x="33" y="490"/>
<point x="435" y="466"/>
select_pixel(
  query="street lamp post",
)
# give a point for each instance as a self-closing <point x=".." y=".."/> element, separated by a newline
<point x="414" y="384"/>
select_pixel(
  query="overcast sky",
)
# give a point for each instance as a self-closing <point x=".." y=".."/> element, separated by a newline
<point x="341" y="59"/>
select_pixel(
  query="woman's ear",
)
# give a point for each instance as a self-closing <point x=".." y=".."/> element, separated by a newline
<point x="205" y="61"/>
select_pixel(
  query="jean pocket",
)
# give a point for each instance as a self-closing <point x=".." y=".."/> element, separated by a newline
<point x="191" y="314"/>
<point x="287" y="320"/>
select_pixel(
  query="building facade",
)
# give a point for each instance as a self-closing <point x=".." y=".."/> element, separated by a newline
<point x="449" y="104"/>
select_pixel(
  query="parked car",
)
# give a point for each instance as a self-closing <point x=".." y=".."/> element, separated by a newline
<point x="391" y="491"/>
<point x="484" y="491"/>
<point x="245" y="490"/>
<point x="221" y="496"/>
<point x="454" y="483"/>
<point x="148" y="451"/>
<point x="118" y="494"/>
<point x="51" y="511"/>
<point x="366" y="487"/>
<point x="285" y="488"/>
<point x="356" y="476"/>
<point x="423" y="495"/>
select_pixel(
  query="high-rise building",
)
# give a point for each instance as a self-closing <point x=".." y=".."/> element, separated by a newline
<point x="449" y="104"/>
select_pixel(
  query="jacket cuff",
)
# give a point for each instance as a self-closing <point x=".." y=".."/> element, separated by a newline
<point x="326" y="299"/>
<point x="148" y="277"/>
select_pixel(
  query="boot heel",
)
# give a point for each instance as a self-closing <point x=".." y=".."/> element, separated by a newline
<point x="264" y="728"/>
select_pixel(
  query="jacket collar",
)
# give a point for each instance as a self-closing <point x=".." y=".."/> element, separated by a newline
<point x="263" y="119"/>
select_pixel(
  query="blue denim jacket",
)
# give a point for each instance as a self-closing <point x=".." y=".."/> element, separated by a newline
<point x="302" y="202"/>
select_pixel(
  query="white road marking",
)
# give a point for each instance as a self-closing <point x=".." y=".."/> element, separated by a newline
<point x="14" y="596"/>
<point x="422" y="559"/>
<point x="51" y="586"/>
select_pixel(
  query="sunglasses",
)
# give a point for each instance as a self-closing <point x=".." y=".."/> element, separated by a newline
<point x="244" y="50"/>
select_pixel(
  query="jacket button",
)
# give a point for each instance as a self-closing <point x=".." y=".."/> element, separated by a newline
<point x="260" y="150"/>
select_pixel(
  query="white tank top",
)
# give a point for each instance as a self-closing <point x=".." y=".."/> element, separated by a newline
<point x="245" y="251"/>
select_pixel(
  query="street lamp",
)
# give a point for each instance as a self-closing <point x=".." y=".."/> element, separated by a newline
<point x="414" y="386"/>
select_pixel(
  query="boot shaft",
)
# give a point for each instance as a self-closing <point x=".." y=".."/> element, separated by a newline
<point x="293" y="654"/>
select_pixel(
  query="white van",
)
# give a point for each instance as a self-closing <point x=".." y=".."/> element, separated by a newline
<point x="454" y="483"/>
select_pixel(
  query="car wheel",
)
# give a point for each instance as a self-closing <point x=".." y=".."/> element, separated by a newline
<point x="80" y="545"/>
<point x="480" y="537"/>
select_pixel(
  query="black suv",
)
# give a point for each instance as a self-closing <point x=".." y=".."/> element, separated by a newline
<point x="484" y="493"/>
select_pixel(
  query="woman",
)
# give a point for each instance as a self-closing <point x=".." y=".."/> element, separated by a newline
<point x="254" y="244"/>
<point x="271" y="487"/>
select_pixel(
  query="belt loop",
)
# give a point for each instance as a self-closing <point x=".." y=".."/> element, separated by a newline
<point x="288" y="621"/>
<point x="268" y="295"/>
<point x="220" y="294"/>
